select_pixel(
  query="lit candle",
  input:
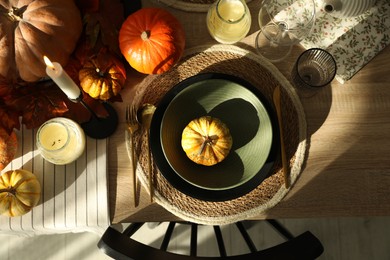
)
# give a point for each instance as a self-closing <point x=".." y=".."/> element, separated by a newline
<point x="60" y="140"/>
<point x="62" y="79"/>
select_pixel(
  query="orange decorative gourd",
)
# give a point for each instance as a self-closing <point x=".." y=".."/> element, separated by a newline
<point x="30" y="29"/>
<point x="8" y="147"/>
<point x="206" y="140"/>
<point x="20" y="191"/>
<point x="102" y="76"/>
<point x="152" y="40"/>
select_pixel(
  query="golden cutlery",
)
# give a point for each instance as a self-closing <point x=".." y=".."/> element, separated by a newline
<point x="132" y="127"/>
<point x="276" y="99"/>
<point x="144" y="115"/>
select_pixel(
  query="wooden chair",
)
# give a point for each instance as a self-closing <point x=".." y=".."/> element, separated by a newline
<point x="120" y="245"/>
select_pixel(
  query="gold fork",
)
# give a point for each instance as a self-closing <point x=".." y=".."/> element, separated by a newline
<point x="132" y="127"/>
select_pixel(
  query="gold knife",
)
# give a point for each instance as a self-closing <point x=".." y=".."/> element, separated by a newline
<point x="276" y="99"/>
<point x="145" y="115"/>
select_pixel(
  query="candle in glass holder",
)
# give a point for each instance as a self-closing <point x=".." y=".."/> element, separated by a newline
<point x="229" y="21"/>
<point x="60" y="140"/>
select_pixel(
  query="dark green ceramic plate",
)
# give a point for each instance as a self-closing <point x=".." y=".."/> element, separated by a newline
<point x="247" y="115"/>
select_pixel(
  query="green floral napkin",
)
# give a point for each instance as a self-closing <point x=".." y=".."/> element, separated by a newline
<point x="352" y="41"/>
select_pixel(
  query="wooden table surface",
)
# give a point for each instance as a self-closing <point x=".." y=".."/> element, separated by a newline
<point x="347" y="172"/>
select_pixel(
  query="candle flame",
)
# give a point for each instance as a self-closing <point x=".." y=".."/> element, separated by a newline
<point x="48" y="62"/>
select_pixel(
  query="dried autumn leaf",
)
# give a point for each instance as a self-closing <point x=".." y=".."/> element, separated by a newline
<point x="102" y="27"/>
<point x="8" y="147"/>
<point x="41" y="109"/>
<point x="9" y="119"/>
<point x="92" y="29"/>
<point x="5" y="87"/>
<point x="73" y="67"/>
<point x="88" y="6"/>
<point x="37" y="103"/>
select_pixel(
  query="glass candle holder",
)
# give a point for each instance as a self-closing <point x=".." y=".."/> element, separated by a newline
<point x="60" y="140"/>
<point x="314" y="68"/>
<point x="228" y="21"/>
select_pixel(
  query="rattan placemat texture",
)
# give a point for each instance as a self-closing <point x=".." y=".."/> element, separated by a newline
<point x="233" y="60"/>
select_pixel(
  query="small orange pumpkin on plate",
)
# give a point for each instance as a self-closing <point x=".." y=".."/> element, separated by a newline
<point x="206" y="140"/>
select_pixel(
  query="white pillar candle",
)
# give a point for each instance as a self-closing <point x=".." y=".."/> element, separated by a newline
<point x="60" y="140"/>
<point x="62" y="79"/>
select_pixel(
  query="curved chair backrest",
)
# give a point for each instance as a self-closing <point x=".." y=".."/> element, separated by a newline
<point x="120" y="245"/>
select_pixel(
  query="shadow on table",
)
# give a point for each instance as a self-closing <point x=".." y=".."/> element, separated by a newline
<point x="354" y="181"/>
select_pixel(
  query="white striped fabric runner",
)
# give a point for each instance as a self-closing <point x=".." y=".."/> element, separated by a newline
<point x="74" y="197"/>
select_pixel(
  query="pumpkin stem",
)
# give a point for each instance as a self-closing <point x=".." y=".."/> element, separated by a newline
<point x="11" y="190"/>
<point x="100" y="73"/>
<point x="145" y="35"/>
<point x="16" y="14"/>
<point x="207" y="140"/>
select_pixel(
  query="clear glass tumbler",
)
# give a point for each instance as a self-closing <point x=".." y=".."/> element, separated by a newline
<point x="229" y="21"/>
<point x="60" y="140"/>
<point x="314" y="68"/>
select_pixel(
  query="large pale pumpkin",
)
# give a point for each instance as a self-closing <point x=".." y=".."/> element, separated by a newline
<point x="206" y="140"/>
<point x="152" y="40"/>
<point x="30" y="29"/>
<point x="102" y="76"/>
<point x="20" y="191"/>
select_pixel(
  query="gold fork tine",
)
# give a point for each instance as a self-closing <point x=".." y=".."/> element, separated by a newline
<point x="132" y="127"/>
<point x="127" y="114"/>
<point x="134" y="114"/>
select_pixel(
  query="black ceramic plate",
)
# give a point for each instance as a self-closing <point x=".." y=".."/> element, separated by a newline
<point x="247" y="114"/>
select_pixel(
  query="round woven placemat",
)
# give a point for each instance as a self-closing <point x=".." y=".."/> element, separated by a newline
<point x="200" y="6"/>
<point x="232" y="60"/>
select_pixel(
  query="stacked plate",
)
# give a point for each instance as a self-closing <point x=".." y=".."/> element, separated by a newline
<point x="248" y="116"/>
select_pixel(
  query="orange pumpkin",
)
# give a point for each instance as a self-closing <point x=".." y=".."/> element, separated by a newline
<point x="102" y="76"/>
<point x="30" y="29"/>
<point x="20" y="191"/>
<point x="152" y="40"/>
<point x="8" y="147"/>
<point x="206" y="140"/>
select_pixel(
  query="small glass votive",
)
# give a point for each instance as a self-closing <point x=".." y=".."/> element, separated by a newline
<point x="314" y="68"/>
<point x="60" y="140"/>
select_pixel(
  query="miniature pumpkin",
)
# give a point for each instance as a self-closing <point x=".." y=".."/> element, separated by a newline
<point x="8" y="147"/>
<point x="32" y="28"/>
<point x="20" y="191"/>
<point x="152" y="40"/>
<point x="206" y="140"/>
<point x="102" y="76"/>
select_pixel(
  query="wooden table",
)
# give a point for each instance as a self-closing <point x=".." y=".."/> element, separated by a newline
<point x="347" y="172"/>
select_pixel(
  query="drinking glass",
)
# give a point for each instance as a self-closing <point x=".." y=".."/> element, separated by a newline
<point x="283" y="23"/>
<point x="228" y="21"/>
<point x="314" y="68"/>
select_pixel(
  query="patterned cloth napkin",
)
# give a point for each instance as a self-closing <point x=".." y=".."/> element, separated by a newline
<point x="352" y="41"/>
<point x="74" y="197"/>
